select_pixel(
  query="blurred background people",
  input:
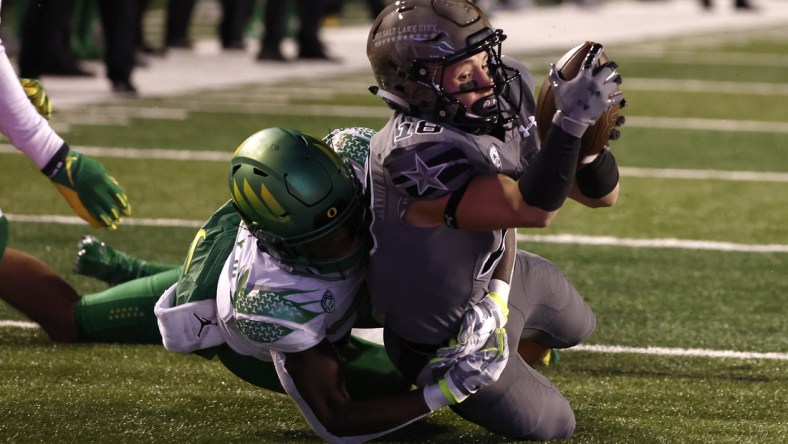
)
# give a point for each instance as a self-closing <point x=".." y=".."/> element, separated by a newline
<point x="275" y="25"/>
<point x="235" y="16"/>
<point x="737" y="4"/>
<point x="45" y="40"/>
<point x="333" y="9"/>
<point x="179" y="17"/>
<point x="118" y="25"/>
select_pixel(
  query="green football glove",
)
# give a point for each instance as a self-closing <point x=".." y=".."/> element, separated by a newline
<point x="38" y="96"/>
<point x="472" y="372"/>
<point x="90" y="191"/>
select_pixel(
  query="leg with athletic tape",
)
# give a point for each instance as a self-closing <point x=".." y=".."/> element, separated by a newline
<point x="124" y="313"/>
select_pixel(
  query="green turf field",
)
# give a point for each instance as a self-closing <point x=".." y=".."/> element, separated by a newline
<point x="687" y="261"/>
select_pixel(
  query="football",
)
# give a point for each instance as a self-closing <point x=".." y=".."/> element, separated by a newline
<point x="606" y="127"/>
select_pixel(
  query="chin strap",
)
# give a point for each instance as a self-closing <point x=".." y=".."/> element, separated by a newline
<point x="390" y="98"/>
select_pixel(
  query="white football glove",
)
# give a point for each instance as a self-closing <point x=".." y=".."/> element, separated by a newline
<point x="583" y="99"/>
<point x="478" y="323"/>
<point x="472" y="372"/>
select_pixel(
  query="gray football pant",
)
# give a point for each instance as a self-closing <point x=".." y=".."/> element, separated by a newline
<point x="523" y="404"/>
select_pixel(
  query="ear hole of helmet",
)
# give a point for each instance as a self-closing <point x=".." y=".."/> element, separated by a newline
<point x="259" y="172"/>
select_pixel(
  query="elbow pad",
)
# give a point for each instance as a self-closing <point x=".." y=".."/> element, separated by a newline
<point x="547" y="180"/>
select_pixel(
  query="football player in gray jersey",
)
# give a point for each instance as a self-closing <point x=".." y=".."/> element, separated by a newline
<point x="457" y="168"/>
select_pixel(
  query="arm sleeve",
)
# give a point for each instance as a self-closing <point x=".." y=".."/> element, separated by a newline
<point x="548" y="179"/>
<point x="207" y="254"/>
<point x="19" y="120"/>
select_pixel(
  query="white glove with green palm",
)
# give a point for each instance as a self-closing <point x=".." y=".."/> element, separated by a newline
<point x="470" y="373"/>
<point x="477" y="324"/>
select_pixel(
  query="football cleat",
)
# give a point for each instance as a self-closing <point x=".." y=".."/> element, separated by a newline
<point x="550" y="358"/>
<point x="98" y="260"/>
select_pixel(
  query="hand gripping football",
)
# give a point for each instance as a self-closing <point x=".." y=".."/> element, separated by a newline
<point x="606" y="128"/>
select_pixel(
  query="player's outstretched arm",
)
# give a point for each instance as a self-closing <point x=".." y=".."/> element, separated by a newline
<point x="314" y="379"/>
<point x="489" y="202"/>
<point x="90" y="191"/>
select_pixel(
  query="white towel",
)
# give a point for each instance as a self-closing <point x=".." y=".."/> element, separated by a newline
<point x="188" y="327"/>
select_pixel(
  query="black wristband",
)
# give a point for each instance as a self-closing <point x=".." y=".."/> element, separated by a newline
<point x="450" y="213"/>
<point x="57" y="162"/>
<point x="598" y="178"/>
<point x="547" y="180"/>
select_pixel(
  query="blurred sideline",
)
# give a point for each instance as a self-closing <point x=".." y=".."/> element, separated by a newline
<point x="529" y="29"/>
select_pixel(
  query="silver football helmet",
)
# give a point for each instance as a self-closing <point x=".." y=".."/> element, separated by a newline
<point x="412" y="40"/>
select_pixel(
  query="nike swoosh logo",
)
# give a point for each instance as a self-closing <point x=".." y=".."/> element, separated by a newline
<point x="200" y="236"/>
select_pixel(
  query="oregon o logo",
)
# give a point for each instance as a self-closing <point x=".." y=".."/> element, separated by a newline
<point x="332" y="212"/>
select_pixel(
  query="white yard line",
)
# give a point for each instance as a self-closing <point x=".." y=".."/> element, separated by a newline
<point x="684" y="244"/>
<point x="376" y="335"/>
<point x="221" y="156"/>
<point x="708" y="86"/>
<point x="687" y="123"/>
<point x="131" y="221"/>
<point x="675" y="173"/>
<point x="693" y="352"/>
<point x="137" y="153"/>
<point x="5" y="323"/>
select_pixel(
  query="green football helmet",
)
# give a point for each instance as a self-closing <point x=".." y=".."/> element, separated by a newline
<point x="411" y="41"/>
<point x="301" y="201"/>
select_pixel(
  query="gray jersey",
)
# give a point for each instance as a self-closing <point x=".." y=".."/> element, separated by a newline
<point x="423" y="280"/>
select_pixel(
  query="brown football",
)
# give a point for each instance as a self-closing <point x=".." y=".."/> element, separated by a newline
<point x="599" y="134"/>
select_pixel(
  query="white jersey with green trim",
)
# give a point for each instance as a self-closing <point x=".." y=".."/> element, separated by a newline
<point x="263" y="307"/>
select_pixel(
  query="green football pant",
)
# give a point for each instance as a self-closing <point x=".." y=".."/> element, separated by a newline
<point x="124" y="313"/>
<point x="3" y="234"/>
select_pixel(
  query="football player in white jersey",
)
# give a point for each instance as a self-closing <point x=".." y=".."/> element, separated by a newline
<point x="87" y="187"/>
<point x="457" y="164"/>
<point x="293" y="287"/>
<point x="272" y="285"/>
